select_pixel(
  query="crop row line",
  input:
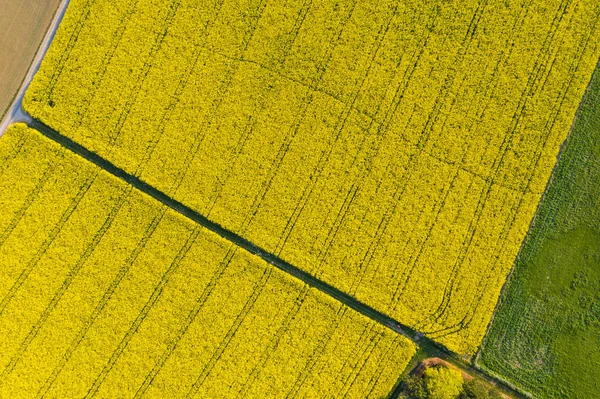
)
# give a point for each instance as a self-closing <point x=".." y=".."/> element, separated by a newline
<point x="104" y="300"/>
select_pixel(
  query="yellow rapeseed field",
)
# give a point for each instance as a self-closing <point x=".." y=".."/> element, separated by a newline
<point x="395" y="149"/>
<point x="104" y="292"/>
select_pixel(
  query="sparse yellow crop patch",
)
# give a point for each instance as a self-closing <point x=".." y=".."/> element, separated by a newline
<point x="396" y="150"/>
<point x="105" y="292"/>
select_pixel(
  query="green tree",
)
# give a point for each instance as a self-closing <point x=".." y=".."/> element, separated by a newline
<point x="443" y="382"/>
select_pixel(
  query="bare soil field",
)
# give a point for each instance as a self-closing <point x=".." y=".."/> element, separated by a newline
<point x="22" y="27"/>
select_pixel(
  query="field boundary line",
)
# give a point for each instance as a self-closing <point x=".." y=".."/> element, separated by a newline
<point x="539" y="205"/>
<point x="563" y="145"/>
<point x="232" y="237"/>
<point x="371" y="313"/>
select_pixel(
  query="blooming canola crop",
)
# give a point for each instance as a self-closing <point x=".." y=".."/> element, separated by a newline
<point x="395" y="150"/>
<point x="106" y="292"/>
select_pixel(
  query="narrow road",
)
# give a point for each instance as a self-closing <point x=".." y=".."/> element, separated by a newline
<point x="15" y="113"/>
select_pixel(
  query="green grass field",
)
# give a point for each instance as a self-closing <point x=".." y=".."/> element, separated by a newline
<point x="545" y="337"/>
